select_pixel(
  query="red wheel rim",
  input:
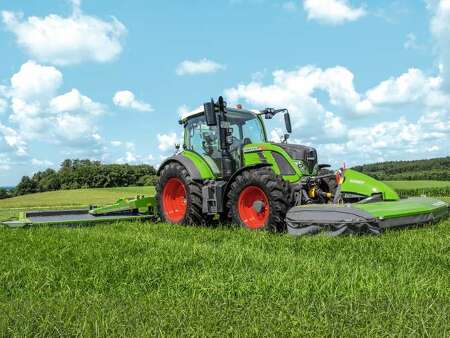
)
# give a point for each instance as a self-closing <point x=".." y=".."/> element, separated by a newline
<point x="174" y="200"/>
<point x="248" y="212"/>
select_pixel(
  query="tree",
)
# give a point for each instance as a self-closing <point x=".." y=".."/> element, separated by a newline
<point x="4" y="193"/>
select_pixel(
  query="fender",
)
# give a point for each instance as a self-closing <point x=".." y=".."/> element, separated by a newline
<point x="185" y="162"/>
<point x="241" y="170"/>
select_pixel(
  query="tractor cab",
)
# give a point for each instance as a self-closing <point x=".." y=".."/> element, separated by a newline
<point x="243" y="128"/>
<point x="229" y="139"/>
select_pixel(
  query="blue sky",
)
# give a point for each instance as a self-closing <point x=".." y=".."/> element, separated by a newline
<point x="365" y="81"/>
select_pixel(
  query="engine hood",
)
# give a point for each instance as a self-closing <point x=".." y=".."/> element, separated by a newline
<point x="308" y="155"/>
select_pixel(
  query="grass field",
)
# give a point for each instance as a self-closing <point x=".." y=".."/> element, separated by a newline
<point x="156" y="279"/>
<point x="417" y="184"/>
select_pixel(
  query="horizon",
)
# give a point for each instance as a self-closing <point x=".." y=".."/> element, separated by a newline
<point x="365" y="83"/>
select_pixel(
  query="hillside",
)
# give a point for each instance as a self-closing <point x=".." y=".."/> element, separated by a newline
<point x="437" y="169"/>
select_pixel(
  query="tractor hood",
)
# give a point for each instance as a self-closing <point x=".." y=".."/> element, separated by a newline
<point x="308" y="155"/>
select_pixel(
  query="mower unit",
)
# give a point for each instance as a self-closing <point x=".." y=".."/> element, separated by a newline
<point x="125" y="209"/>
<point x="228" y="170"/>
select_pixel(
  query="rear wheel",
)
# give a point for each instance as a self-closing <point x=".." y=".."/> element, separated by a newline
<point x="258" y="199"/>
<point x="178" y="196"/>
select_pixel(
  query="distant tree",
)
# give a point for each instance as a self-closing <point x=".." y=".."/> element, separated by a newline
<point x="26" y="186"/>
<point x="4" y="193"/>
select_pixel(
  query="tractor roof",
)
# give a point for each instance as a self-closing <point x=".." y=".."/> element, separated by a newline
<point x="199" y="111"/>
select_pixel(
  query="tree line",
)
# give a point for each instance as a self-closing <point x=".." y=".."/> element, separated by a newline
<point x="78" y="174"/>
<point x="433" y="169"/>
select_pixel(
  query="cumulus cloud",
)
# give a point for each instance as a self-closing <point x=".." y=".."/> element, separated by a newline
<point x="39" y="113"/>
<point x="34" y="82"/>
<point x="75" y="101"/>
<point x="203" y="66"/>
<point x="12" y="141"/>
<point x="296" y="90"/>
<point x="3" y="105"/>
<point x="333" y="12"/>
<point x="167" y="141"/>
<point x="408" y="88"/>
<point x="424" y="121"/>
<point x="127" y="99"/>
<point x="67" y="40"/>
<point x="440" y="29"/>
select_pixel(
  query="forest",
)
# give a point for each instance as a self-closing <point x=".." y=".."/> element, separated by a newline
<point x="78" y="174"/>
<point x="436" y="169"/>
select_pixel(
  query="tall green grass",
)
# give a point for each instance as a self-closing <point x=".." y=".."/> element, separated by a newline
<point x="156" y="279"/>
<point x="147" y="279"/>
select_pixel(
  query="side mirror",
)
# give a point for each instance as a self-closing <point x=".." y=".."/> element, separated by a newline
<point x="222" y="104"/>
<point x="210" y="113"/>
<point x="287" y="122"/>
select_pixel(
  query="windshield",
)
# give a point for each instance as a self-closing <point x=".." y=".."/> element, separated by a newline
<point x="247" y="128"/>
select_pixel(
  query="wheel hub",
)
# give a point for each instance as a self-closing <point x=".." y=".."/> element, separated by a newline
<point x="174" y="200"/>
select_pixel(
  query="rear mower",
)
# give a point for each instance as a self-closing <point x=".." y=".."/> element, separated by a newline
<point x="228" y="170"/>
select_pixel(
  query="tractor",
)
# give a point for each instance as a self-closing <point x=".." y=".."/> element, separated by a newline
<point x="227" y="168"/>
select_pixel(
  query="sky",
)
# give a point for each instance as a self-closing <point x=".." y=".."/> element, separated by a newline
<point x="364" y="81"/>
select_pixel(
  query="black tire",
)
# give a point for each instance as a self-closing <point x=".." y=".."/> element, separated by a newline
<point x="275" y="189"/>
<point x="329" y="182"/>
<point x="193" y="214"/>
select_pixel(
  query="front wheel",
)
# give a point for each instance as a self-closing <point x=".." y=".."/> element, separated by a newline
<point x="179" y="197"/>
<point x="258" y="199"/>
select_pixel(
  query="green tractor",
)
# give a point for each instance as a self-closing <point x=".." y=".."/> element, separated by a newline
<point x="228" y="168"/>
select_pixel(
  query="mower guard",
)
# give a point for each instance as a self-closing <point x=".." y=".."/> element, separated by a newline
<point x="364" y="218"/>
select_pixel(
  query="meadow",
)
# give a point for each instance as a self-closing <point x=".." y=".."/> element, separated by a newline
<point x="146" y="279"/>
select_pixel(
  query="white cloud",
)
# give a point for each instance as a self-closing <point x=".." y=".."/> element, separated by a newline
<point x="167" y="141"/>
<point x="3" y="105"/>
<point x="203" y="66"/>
<point x="34" y="82"/>
<point x="13" y="140"/>
<point x="39" y="114"/>
<point x="332" y="12"/>
<point x="331" y="126"/>
<point x="67" y="40"/>
<point x="440" y="29"/>
<point x="73" y="127"/>
<point x="295" y="90"/>
<point x="126" y="99"/>
<point x="407" y="88"/>
<point x="41" y="163"/>
<point x="74" y="101"/>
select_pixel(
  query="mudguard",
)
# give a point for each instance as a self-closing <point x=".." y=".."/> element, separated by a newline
<point x="197" y="168"/>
